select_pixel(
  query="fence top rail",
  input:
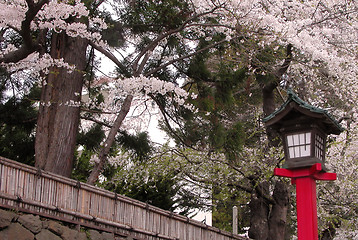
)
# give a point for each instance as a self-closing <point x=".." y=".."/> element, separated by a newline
<point x="109" y="194"/>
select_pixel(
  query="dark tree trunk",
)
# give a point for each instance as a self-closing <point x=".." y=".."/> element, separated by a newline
<point x="269" y="106"/>
<point x="268" y="214"/>
<point x="259" y="212"/>
<point x="59" y="110"/>
<point x="278" y="214"/>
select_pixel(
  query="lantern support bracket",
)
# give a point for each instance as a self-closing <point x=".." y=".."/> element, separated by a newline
<point x="315" y="172"/>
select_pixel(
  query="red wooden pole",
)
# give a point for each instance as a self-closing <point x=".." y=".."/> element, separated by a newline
<point x="306" y="208"/>
<point x="306" y="198"/>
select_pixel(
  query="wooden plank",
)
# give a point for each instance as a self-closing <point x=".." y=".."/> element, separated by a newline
<point x="72" y="195"/>
<point x="10" y="181"/>
<point x="52" y="192"/>
<point x="45" y="191"/>
<point x="65" y="196"/>
<point x="85" y="202"/>
<point x="37" y="189"/>
<point x="105" y="207"/>
<point x="4" y="182"/>
<point x="69" y="195"/>
<point x="1" y="177"/>
<point x="74" y="198"/>
<point x="55" y="189"/>
<point x="30" y="183"/>
<point x="21" y="186"/>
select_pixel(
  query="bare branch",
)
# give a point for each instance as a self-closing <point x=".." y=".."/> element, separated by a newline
<point x="155" y="42"/>
<point x="98" y="167"/>
<point x="96" y="121"/>
<point x="112" y="58"/>
<point x="165" y="116"/>
<point x="185" y="57"/>
<point x="261" y="191"/>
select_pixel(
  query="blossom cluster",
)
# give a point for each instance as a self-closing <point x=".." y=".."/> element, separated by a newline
<point x="142" y="106"/>
<point x="315" y="28"/>
<point x="137" y="86"/>
<point x="54" y="16"/>
<point x="36" y="63"/>
<point x="12" y="14"/>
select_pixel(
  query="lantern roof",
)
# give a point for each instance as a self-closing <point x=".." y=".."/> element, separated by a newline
<point x="295" y="108"/>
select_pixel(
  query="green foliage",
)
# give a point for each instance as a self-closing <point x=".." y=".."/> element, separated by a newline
<point x="217" y="135"/>
<point x="89" y="142"/>
<point x="229" y="103"/>
<point x="138" y="145"/>
<point x="187" y="201"/>
<point x="158" y="190"/>
<point x="155" y="183"/>
<point x="155" y="16"/>
<point x="81" y="165"/>
<point x="222" y="210"/>
<point x="199" y="72"/>
<point x="17" y="127"/>
<point x="217" y="83"/>
<point x="113" y="35"/>
<point x="235" y="139"/>
<point x="91" y="139"/>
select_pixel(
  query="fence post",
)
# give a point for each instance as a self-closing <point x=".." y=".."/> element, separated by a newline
<point x="234" y="220"/>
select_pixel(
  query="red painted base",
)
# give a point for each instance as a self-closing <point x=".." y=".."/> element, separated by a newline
<point x="305" y="180"/>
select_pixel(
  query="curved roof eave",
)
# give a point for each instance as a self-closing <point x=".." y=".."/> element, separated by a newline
<point x="292" y="97"/>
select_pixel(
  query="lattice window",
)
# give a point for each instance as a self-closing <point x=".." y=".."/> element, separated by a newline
<point x="319" y="147"/>
<point x="299" y="145"/>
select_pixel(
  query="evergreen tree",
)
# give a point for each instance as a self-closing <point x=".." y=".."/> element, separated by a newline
<point x="231" y="94"/>
<point x="17" y="123"/>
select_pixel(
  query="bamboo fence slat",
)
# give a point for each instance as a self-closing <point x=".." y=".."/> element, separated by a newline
<point x="43" y="193"/>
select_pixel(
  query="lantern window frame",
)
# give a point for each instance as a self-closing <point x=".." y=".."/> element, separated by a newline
<point x="317" y="152"/>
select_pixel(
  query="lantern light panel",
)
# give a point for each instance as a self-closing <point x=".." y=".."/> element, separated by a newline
<point x="299" y="145"/>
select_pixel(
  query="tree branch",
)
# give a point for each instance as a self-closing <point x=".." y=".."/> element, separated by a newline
<point x="165" y="114"/>
<point x="28" y="46"/>
<point x="155" y="42"/>
<point x="112" y="58"/>
<point x="96" y="121"/>
<point x="98" y="167"/>
<point x="261" y="192"/>
<point x="185" y="57"/>
<point x="240" y="186"/>
<point x="283" y="69"/>
<point x="269" y="96"/>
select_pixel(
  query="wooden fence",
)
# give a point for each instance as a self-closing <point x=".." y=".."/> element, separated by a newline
<point x="28" y="189"/>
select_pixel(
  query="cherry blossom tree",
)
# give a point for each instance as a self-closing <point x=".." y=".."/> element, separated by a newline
<point x="310" y="46"/>
<point x="303" y="28"/>
<point x="310" y="31"/>
<point x="52" y="43"/>
<point x="54" y="39"/>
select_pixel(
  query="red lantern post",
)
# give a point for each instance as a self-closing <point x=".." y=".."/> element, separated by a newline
<point x="304" y="129"/>
<point x="305" y="181"/>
